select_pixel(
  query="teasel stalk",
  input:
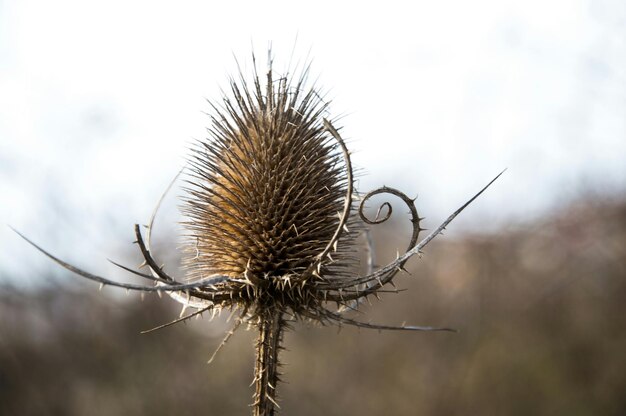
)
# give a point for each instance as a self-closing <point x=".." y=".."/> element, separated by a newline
<point x="270" y="228"/>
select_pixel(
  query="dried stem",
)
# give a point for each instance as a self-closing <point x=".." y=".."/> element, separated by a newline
<point x="266" y="376"/>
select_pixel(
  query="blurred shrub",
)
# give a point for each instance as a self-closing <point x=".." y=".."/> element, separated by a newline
<point x="541" y="312"/>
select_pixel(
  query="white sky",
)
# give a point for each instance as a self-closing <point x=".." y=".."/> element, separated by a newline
<point x="99" y="101"/>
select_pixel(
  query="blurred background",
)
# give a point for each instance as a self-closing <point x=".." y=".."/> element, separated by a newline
<point x="100" y="101"/>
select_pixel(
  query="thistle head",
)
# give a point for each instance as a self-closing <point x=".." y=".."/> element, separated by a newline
<point x="269" y="188"/>
<point x="268" y="205"/>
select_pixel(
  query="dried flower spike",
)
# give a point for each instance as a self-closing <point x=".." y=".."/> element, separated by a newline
<point x="270" y="225"/>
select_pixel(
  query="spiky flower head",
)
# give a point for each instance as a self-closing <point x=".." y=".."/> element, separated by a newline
<point x="268" y="197"/>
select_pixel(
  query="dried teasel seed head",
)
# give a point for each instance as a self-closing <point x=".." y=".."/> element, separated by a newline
<point x="267" y="185"/>
<point x="268" y="202"/>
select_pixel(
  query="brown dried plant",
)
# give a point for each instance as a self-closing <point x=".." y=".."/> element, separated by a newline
<point x="271" y="230"/>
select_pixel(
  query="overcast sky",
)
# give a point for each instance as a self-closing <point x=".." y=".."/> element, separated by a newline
<point x="99" y="101"/>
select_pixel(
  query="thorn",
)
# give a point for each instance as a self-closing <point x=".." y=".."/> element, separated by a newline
<point x="272" y="400"/>
<point x="101" y="286"/>
<point x="160" y="294"/>
<point x="402" y="269"/>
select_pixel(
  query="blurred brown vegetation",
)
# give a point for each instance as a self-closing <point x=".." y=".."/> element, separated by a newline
<point x="540" y="309"/>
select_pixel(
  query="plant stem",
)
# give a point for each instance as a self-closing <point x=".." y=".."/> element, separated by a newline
<point x="266" y="375"/>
